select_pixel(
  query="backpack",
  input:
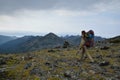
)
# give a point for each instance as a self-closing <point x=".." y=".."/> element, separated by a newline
<point x="89" y="38"/>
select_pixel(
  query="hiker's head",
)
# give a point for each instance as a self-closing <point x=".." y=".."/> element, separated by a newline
<point x="83" y="32"/>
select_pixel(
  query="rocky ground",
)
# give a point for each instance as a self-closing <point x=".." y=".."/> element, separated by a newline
<point x="61" y="64"/>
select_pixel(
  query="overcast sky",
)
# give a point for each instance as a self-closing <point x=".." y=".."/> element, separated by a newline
<point x="36" y="17"/>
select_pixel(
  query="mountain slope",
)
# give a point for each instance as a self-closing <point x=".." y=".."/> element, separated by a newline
<point x="14" y="45"/>
<point x="114" y="39"/>
<point x="48" y="41"/>
<point x="4" y="39"/>
<point x="74" y="40"/>
<point x="31" y="43"/>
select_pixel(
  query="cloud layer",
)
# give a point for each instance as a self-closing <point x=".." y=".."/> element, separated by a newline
<point x="9" y="6"/>
<point x="60" y="16"/>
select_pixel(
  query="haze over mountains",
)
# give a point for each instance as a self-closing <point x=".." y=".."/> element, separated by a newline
<point x="4" y="39"/>
<point x="32" y="43"/>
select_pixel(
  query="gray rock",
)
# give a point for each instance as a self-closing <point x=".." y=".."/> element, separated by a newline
<point x="36" y="71"/>
<point x="47" y="63"/>
<point x="67" y="74"/>
<point x="109" y="56"/>
<point x="28" y="65"/>
<point x="105" y="48"/>
<point x="2" y="61"/>
<point x="51" y="50"/>
<point x="116" y="67"/>
<point x="99" y="56"/>
<point x="39" y="72"/>
<point x="104" y="63"/>
<point x="92" y="72"/>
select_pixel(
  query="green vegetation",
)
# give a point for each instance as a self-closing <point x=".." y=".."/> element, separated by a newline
<point x="114" y="40"/>
<point x="59" y="64"/>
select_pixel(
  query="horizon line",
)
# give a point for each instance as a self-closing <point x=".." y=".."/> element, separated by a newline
<point x="22" y="34"/>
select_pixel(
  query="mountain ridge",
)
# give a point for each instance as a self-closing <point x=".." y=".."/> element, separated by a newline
<point x="4" y="39"/>
<point x="32" y="43"/>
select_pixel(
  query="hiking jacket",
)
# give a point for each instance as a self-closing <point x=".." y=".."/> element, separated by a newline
<point x="82" y="43"/>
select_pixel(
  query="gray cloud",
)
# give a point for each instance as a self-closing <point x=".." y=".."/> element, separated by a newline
<point x="9" y="6"/>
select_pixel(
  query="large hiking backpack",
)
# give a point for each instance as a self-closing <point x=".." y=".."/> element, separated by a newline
<point x="89" y="38"/>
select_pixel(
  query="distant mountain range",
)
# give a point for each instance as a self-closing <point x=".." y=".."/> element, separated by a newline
<point x="4" y="39"/>
<point x="32" y="43"/>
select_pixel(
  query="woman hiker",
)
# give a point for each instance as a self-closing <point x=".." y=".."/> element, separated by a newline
<point x="84" y="44"/>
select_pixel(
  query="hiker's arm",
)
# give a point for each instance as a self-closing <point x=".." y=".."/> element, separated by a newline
<point x="82" y="42"/>
<point x="81" y="46"/>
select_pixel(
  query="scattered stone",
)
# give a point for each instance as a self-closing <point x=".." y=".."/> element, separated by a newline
<point x="2" y="61"/>
<point x="28" y="65"/>
<point x="67" y="74"/>
<point x="23" y="58"/>
<point x="104" y="63"/>
<point x="99" y="56"/>
<point x="64" y="65"/>
<point x="117" y="56"/>
<point x="91" y="72"/>
<point x="39" y="72"/>
<point x="109" y="56"/>
<point x="97" y="69"/>
<point x="51" y="50"/>
<point x="2" y="70"/>
<point x="47" y="64"/>
<point x="27" y="57"/>
<point x="117" y="76"/>
<point x="84" y="72"/>
<point x="115" y="67"/>
<point x="30" y="57"/>
<point x="105" y="48"/>
<point x="35" y="71"/>
<point x="3" y="75"/>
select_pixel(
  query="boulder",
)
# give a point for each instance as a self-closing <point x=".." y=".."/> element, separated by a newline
<point x="28" y="65"/>
<point x="104" y="63"/>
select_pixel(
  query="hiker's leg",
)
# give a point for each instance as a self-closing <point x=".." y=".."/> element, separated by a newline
<point x="82" y="54"/>
<point x="85" y="56"/>
<point x="88" y="55"/>
<point x="79" y="51"/>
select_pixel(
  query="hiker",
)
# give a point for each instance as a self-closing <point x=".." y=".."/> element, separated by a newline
<point x="86" y="42"/>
